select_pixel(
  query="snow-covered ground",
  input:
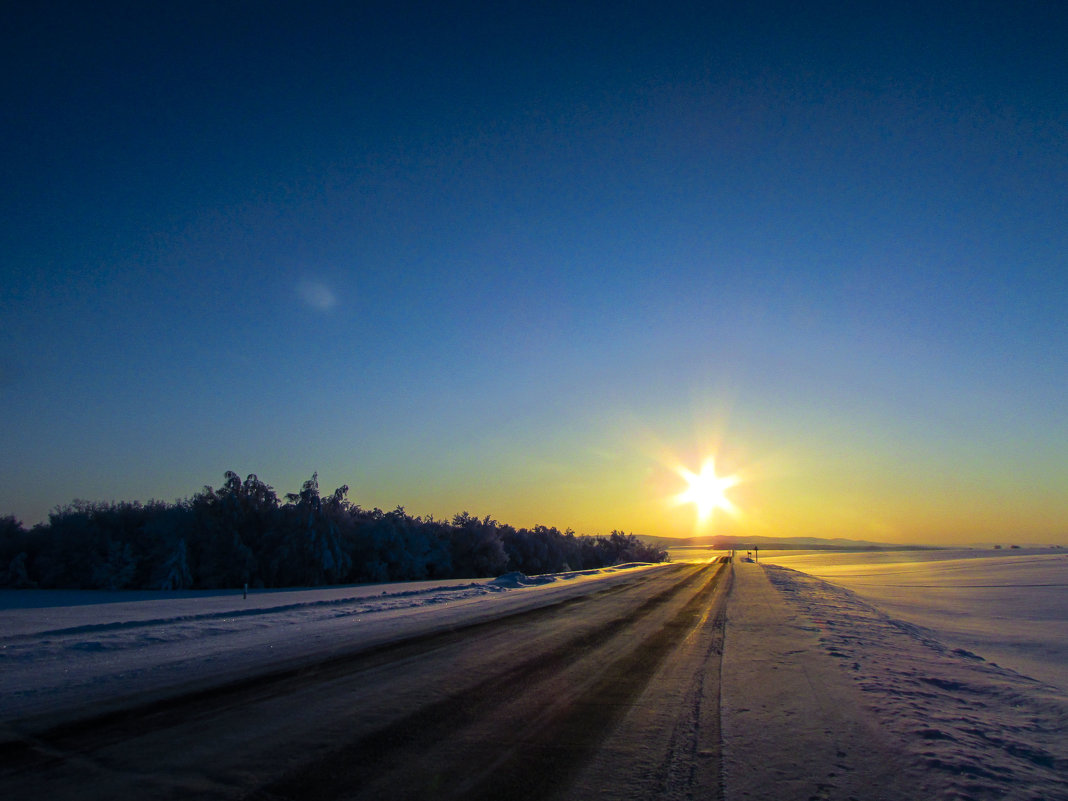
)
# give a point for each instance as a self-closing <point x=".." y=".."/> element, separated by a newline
<point x="1009" y="606"/>
<point x="80" y="651"/>
<point x="914" y="643"/>
<point x="940" y="673"/>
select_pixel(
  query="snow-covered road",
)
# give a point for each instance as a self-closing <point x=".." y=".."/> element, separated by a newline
<point x="638" y="682"/>
<point x="567" y="692"/>
<point x="66" y="653"/>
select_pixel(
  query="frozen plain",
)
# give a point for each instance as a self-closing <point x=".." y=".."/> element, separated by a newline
<point x="941" y="650"/>
<point x="1011" y="606"/>
<point x="827" y="692"/>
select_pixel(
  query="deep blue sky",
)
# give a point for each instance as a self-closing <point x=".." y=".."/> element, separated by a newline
<point x="518" y="258"/>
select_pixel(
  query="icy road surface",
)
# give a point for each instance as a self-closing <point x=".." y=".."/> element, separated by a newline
<point x="82" y="652"/>
<point x="565" y="687"/>
<point x="681" y="681"/>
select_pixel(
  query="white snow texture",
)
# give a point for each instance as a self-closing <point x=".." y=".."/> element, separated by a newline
<point x="957" y="659"/>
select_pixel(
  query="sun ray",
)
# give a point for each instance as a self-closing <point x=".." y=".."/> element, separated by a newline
<point x="706" y="490"/>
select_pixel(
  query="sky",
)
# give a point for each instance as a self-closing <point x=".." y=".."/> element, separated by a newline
<point x="529" y="259"/>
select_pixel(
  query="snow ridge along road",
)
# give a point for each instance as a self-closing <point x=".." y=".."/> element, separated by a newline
<point x="564" y="700"/>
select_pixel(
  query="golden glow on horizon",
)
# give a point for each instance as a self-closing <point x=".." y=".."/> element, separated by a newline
<point x="706" y="490"/>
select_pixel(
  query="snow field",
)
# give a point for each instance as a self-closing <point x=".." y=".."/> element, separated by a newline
<point x="971" y="729"/>
<point x="1009" y="606"/>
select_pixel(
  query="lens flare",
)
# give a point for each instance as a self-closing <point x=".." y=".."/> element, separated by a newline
<point x="706" y="490"/>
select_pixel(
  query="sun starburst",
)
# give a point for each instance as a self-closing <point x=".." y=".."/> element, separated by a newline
<point x="706" y="490"/>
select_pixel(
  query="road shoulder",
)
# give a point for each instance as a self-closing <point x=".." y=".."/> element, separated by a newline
<point x="793" y="724"/>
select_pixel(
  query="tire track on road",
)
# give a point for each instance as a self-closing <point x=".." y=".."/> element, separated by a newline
<point x="425" y="754"/>
<point x="35" y="742"/>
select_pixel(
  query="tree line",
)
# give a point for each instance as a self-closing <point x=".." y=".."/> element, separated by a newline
<point x="243" y="533"/>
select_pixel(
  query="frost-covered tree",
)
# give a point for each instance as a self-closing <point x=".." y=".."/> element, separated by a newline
<point x="18" y="577"/>
<point x="176" y="572"/>
<point x="477" y="549"/>
<point x="311" y="551"/>
<point x="14" y="553"/>
<point x="117" y="570"/>
<point x="242" y="533"/>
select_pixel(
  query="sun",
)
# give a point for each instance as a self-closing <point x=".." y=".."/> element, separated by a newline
<point x="706" y="490"/>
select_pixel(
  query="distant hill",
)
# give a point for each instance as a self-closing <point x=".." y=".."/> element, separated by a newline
<point x="781" y="543"/>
